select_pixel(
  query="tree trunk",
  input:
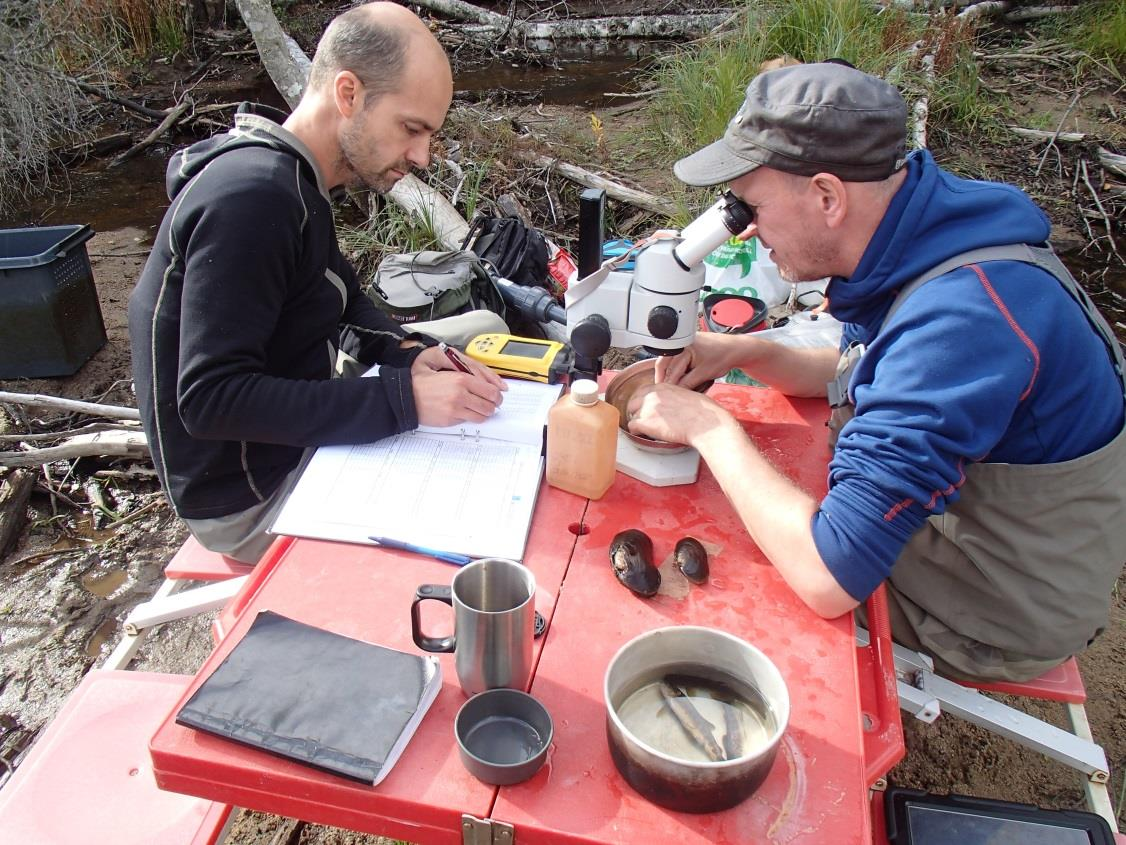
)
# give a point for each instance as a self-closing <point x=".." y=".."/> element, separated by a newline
<point x="284" y="60"/>
<point x="15" y="488"/>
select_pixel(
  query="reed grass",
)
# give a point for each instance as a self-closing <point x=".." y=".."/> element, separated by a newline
<point x="703" y="85"/>
<point x="116" y="31"/>
<point x="1098" y="30"/>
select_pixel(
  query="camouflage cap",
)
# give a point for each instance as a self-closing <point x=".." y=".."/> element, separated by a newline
<point x="808" y="119"/>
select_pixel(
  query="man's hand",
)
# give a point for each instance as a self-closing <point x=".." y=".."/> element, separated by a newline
<point x="671" y="413"/>
<point x="710" y="356"/>
<point x="443" y="395"/>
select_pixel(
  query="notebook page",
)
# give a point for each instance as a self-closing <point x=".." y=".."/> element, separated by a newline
<point x="520" y="418"/>
<point x="469" y="495"/>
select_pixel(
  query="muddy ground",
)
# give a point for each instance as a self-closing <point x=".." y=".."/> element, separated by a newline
<point x="67" y="583"/>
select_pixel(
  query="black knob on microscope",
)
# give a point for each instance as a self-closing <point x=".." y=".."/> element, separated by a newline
<point x="591" y="337"/>
<point x="663" y="321"/>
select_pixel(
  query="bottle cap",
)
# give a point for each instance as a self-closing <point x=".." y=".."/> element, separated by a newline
<point x="584" y="391"/>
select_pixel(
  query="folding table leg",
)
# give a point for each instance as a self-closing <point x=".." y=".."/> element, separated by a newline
<point x="123" y="654"/>
<point x="167" y="608"/>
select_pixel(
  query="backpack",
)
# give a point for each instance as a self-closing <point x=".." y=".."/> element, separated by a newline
<point x="516" y="252"/>
<point x="420" y="286"/>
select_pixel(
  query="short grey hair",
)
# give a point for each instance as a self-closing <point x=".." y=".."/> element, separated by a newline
<point x="354" y="42"/>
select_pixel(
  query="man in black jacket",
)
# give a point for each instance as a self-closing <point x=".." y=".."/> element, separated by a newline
<point x="238" y="316"/>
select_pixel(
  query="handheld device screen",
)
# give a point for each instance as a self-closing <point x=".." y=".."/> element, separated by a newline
<point x="936" y="824"/>
<point x="524" y="349"/>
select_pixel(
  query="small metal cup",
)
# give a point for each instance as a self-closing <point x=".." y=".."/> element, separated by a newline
<point x="494" y="623"/>
<point x="503" y="736"/>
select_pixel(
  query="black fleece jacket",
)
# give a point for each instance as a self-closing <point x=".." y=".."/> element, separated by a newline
<point x="236" y="321"/>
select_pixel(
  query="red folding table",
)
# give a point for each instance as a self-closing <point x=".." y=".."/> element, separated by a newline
<point x="816" y="792"/>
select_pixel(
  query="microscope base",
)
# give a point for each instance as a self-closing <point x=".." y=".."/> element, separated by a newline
<point x="657" y="469"/>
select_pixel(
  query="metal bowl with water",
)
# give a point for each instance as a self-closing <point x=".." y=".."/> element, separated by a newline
<point x="694" y="717"/>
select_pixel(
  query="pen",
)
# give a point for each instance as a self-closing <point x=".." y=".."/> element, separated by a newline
<point x="455" y="359"/>
<point x="448" y="557"/>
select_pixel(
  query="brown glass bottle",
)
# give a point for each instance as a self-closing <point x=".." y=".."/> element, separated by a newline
<point x="582" y="442"/>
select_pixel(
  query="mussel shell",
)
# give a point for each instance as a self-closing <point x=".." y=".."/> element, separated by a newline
<point x="631" y="556"/>
<point x="692" y="559"/>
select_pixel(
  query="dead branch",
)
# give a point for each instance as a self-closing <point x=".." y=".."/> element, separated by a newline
<point x="616" y="190"/>
<point x="125" y="444"/>
<point x="171" y="119"/>
<point x="1052" y="142"/>
<point x="1040" y="134"/>
<point x="60" y="435"/>
<point x="133" y="473"/>
<point x="1112" y="161"/>
<point x="141" y="511"/>
<point x="921" y="108"/>
<point x="1102" y="211"/>
<point x="47" y="553"/>
<point x="72" y="405"/>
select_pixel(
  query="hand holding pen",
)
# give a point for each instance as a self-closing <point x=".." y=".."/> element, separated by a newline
<point x="455" y="359"/>
<point x="441" y="399"/>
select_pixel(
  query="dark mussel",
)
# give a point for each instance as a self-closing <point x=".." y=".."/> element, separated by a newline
<point x="692" y="559"/>
<point x="631" y="555"/>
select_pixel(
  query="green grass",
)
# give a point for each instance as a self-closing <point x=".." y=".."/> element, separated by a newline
<point x="702" y="86"/>
<point x="1098" y="30"/>
<point x="391" y="229"/>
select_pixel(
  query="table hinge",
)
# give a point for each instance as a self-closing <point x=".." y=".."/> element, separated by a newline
<point x="475" y="831"/>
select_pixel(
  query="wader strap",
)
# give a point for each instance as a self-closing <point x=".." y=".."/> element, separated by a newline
<point x="1043" y="257"/>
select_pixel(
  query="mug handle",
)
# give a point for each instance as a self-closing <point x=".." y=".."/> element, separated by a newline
<point x="438" y="592"/>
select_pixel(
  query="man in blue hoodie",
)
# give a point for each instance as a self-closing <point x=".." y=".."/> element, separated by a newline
<point x="979" y="464"/>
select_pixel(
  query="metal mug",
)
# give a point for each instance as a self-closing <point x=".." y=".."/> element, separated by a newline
<point x="494" y="623"/>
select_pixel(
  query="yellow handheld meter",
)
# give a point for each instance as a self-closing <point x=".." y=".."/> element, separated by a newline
<point x="522" y="357"/>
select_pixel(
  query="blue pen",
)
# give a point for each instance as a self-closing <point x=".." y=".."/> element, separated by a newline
<point x="448" y="557"/>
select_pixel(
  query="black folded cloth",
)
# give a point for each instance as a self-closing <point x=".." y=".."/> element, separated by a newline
<point x="330" y="701"/>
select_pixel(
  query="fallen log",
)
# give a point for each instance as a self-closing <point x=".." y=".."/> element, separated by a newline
<point x="1029" y="13"/>
<point x="629" y="26"/>
<point x="462" y="11"/>
<point x="121" y="444"/>
<point x="15" y="489"/>
<point x="75" y="406"/>
<point x="616" y="190"/>
<point x="624" y="26"/>
<point x="989" y="7"/>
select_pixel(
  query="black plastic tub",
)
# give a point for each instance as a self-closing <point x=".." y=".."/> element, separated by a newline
<point x="50" y="321"/>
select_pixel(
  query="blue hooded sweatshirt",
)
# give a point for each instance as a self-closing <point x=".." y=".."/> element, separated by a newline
<point x="993" y="362"/>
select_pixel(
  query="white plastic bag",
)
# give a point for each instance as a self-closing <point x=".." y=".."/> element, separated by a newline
<point x="738" y="267"/>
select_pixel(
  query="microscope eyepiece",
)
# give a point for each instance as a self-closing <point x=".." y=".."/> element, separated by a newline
<point x="727" y="218"/>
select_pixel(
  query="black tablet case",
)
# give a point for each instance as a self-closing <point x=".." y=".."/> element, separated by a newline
<point x="320" y="698"/>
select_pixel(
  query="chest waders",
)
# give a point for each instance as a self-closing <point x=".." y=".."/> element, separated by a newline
<point x="1015" y="576"/>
